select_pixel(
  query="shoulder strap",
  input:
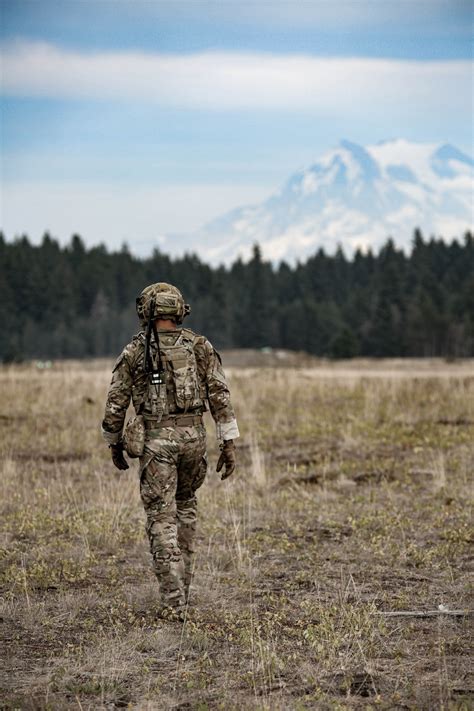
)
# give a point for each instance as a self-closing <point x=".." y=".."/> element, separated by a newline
<point x="189" y="335"/>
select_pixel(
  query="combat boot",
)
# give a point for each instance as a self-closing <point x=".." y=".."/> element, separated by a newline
<point x="173" y="614"/>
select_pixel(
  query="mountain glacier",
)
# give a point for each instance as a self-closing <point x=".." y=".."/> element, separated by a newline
<point x="356" y="196"/>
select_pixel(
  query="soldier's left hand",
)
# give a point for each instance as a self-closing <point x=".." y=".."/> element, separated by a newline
<point x="227" y="458"/>
<point x="117" y="456"/>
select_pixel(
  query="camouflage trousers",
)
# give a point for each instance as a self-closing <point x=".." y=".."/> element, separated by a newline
<point x="172" y="468"/>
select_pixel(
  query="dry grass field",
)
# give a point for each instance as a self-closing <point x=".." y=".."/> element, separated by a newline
<point x="351" y="501"/>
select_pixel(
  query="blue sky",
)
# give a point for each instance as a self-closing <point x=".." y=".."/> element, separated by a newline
<point x="130" y="120"/>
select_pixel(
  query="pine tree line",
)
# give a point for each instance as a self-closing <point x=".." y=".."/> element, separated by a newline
<point x="75" y="302"/>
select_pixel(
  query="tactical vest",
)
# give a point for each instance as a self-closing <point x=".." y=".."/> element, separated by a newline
<point x="180" y="390"/>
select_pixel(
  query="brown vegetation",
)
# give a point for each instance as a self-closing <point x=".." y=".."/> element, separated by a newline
<point x="351" y="500"/>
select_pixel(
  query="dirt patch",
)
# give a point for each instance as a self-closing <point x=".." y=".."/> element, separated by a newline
<point x="457" y="422"/>
<point x="12" y="418"/>
<point x="50" y="458"/>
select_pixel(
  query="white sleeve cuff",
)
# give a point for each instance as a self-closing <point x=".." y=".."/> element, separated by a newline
<point x="111" y="437"/>
<point x="227" y="430"/>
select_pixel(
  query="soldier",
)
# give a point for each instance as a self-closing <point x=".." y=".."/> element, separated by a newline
<point x="170" y="373"/>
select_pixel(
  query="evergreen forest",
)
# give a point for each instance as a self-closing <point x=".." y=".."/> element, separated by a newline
<point x="74" y="302"/>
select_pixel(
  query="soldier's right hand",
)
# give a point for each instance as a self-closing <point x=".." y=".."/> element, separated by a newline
<point x="117" y="456"/>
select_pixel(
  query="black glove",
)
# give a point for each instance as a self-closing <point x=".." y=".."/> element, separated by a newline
<point x="227" y="458"/>
<point x="117" y="456"/>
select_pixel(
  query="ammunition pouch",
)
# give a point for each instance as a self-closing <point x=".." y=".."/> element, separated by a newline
<point x="134" y="436"/>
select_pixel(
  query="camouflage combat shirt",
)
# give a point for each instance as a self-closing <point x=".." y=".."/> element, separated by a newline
<point x="130" y="381"/>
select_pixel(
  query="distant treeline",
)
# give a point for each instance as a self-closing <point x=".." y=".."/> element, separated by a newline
<point x="75" y="302"/>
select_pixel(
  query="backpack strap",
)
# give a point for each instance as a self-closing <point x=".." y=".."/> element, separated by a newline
<point x="189" y="335"/>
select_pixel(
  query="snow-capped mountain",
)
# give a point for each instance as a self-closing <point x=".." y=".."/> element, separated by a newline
<point x="354" y="196"/>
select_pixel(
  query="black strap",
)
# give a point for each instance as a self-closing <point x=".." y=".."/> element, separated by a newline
<point x="157" y="341"/>
<point x="148" y="362"/>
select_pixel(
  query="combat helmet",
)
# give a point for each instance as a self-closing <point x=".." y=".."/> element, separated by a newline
<point x="168" y="303"/>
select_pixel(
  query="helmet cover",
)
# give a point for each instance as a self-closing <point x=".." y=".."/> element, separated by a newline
<point x="169" y="303"/>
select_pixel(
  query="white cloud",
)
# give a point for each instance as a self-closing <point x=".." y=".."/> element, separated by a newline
<point x="226" y="80"/>
<point x="139" y="216"/>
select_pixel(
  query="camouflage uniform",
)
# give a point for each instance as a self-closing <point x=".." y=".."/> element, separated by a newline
<point x="173" y="464"/>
